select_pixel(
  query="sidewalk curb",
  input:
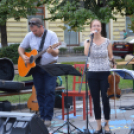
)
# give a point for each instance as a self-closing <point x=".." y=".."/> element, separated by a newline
<point x="126" y="91"/>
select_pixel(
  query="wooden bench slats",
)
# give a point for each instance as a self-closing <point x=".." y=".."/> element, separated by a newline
<point x="124" y="62"/>
<point x="16" y="72"/>
<point x="16" y="93"/>
<point x="28" y="91"/>
<point x="59" y="88"/>
<point x="16" y="69"/>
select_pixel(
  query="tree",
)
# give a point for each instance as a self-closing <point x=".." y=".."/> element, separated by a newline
<point x="15" y="9"/>
<point x="77" y="13"/>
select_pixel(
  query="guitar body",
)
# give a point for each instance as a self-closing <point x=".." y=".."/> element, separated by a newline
<point x="25" y="69"/>
<point x="32" y="103"/>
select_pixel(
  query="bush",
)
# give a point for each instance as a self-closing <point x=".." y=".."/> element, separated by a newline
<point x="11" y="52"/>
<point x="62" y="49"/>
<point x="79" y="49"/>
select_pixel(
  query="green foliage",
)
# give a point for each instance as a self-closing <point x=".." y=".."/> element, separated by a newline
<point x="11" y="52"/>
<point x="131" y="26"/>
<point x="78" y="49"/>
<point x="62" y="50"/>
<point x="78" y="13"/>
<point x="18" y="9"/>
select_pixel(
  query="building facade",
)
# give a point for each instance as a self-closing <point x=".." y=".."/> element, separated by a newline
<point x="16" y="30"/>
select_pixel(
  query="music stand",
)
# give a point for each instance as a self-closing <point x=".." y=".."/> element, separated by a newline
<point x="58" y="70"/>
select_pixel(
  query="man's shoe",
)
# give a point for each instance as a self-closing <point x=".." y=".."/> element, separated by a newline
<point x="47" y="123"/>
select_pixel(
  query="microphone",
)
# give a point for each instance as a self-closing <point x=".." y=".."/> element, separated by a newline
<point x="93" y="33"/>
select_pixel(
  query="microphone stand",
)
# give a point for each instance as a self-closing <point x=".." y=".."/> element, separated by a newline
<point x="129" y="107"/>
<point x="132" y="106"/>
<point x="132" y="67"/>
<point x="129" y="60"/>
<point x="86" y="131"/>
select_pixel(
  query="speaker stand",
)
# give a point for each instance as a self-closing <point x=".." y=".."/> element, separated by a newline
<point x="132" y="128"/>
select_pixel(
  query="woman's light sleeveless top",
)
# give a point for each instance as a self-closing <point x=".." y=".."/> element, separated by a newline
<point x="98" y="58"/>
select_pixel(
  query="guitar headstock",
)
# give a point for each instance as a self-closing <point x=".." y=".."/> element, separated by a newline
<point x="56" y="45"/>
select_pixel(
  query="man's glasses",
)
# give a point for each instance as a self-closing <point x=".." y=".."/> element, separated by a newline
<point x="32" y="23"/>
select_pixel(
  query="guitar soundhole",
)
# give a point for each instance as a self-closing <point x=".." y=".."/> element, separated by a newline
<point x="31" y="59"/>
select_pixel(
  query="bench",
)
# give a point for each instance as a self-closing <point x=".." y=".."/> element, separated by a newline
<point x="24" y="92"/>
<point x="21" y="92"/>
<point x="16" y="93"/>
<point x="16" y="70"/>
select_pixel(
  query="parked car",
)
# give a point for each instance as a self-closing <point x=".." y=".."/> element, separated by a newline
<point x="124" y="47"/>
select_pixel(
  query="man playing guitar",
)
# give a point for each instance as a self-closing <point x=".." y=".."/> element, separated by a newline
<point x="44" y="83"/>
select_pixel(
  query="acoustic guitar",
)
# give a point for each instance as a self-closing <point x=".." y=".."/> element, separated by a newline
<point x="32" y="102"/>
<point x="24" y="69"/>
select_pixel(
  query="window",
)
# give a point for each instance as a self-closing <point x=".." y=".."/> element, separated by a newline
<point x="128" y="21"/>
<point x="40" y="14"/>
<point x="70" y="37"/>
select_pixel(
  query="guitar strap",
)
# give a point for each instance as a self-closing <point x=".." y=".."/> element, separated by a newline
<point x="42" y="41"/>
<point x="41" y="45"/>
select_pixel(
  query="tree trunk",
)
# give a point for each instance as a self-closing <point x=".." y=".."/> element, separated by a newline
<point x="104" y="34"/>
<point x="3" y="35"/>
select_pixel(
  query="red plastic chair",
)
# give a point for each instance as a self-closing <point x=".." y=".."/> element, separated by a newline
<point x="74" y="93"/>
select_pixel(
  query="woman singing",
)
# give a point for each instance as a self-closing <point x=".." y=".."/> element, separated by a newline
<point x="99" y="70"/>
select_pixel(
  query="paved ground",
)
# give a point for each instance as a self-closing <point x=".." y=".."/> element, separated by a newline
<point x="119" y="125"/>
<point x="70" y="58"/>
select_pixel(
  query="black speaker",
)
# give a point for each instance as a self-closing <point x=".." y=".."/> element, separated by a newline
<point x="7" y="75"/>
<point x="5" y="105"/>
<point x="21" y="123"/>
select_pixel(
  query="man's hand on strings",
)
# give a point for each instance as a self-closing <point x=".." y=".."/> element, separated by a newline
<point x="49" y="50"/>
<point x="26" y="59"/>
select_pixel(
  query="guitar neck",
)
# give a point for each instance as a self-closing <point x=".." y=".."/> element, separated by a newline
<point x="39" y="54"/>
